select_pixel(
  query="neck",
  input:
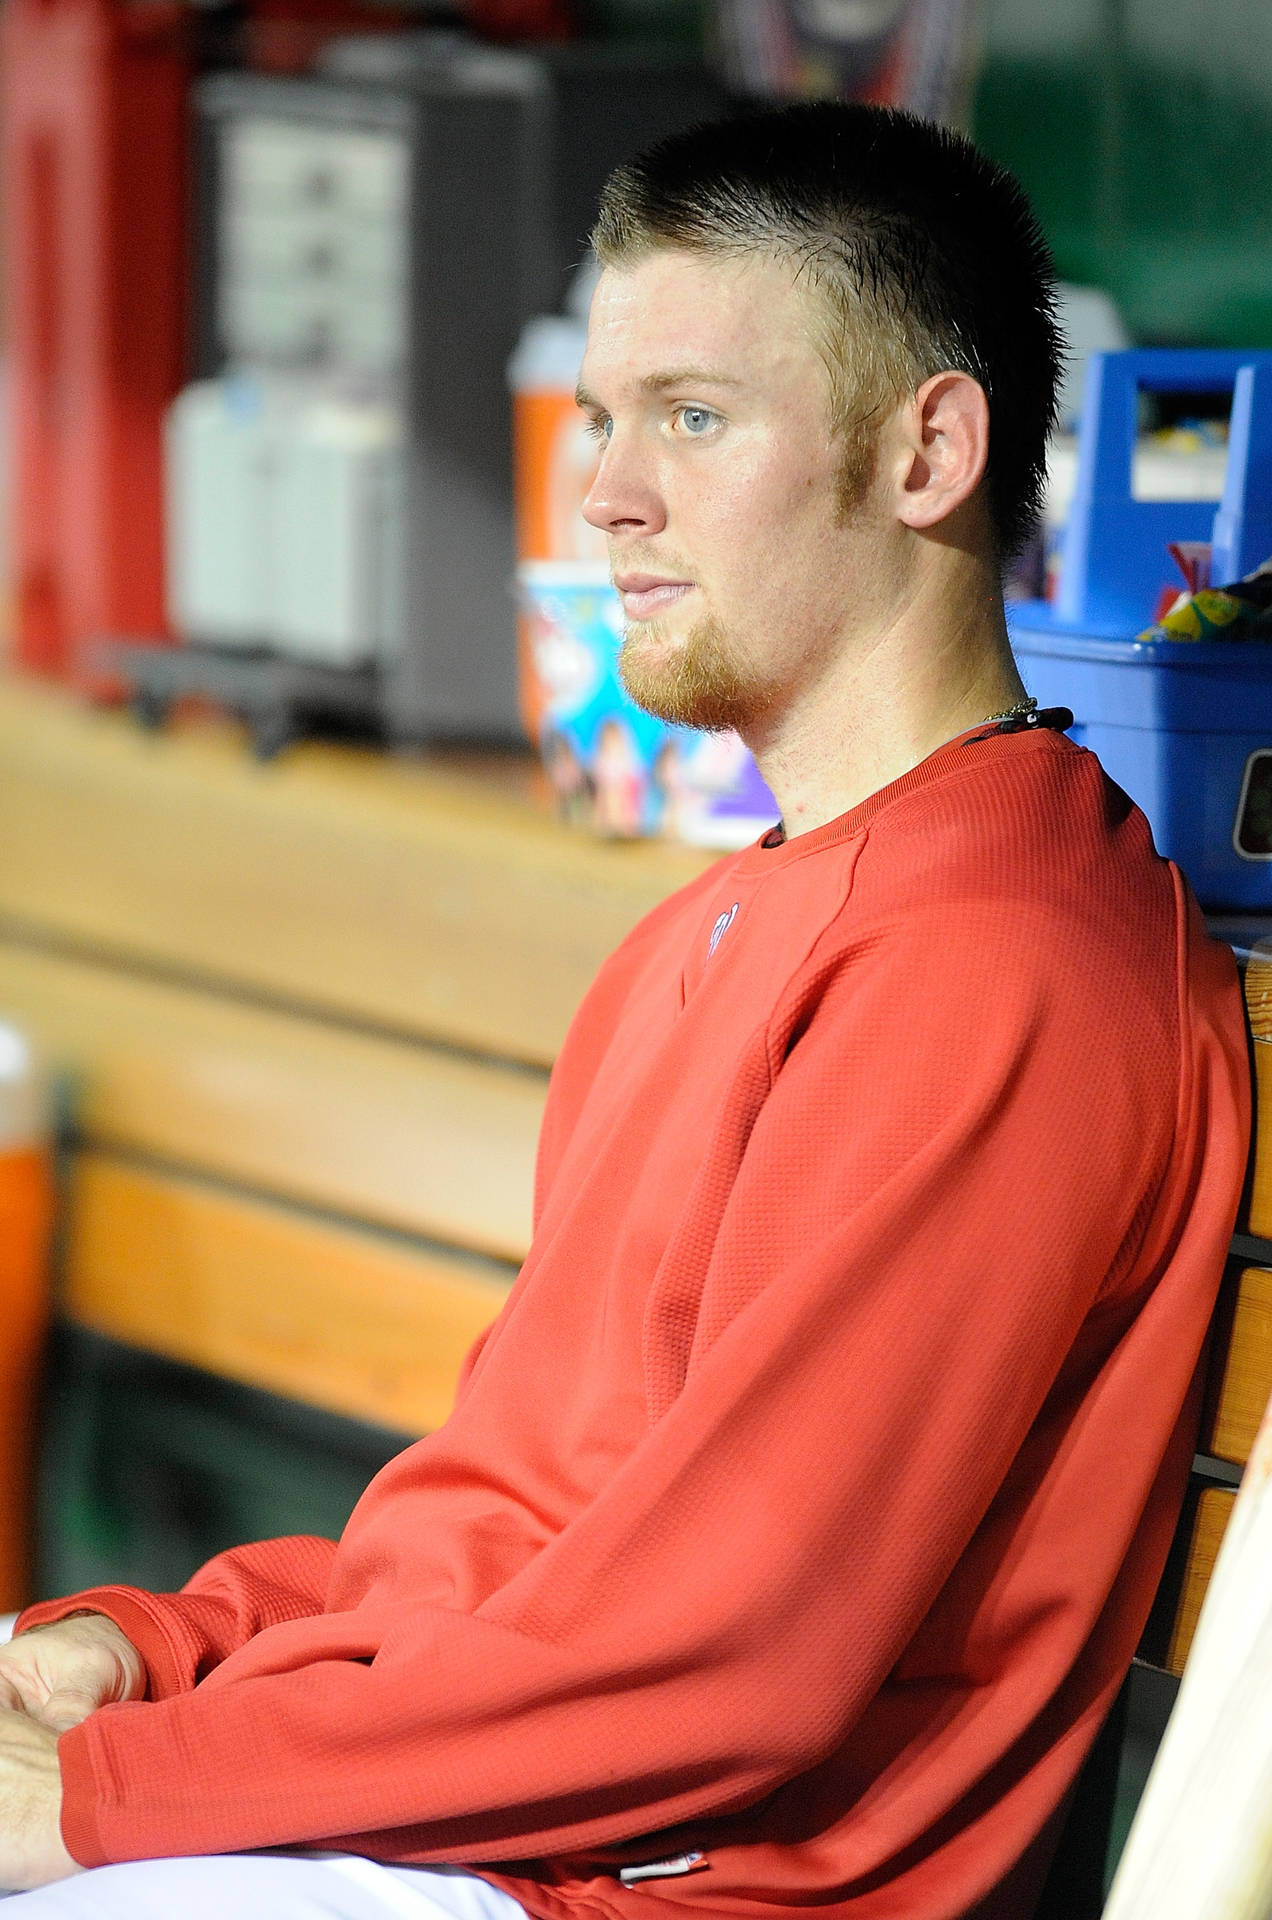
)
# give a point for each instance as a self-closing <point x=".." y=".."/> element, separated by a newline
<point x="934" y="665"/>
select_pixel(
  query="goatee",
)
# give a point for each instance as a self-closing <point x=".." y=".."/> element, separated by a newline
<point x="699" y="682"/>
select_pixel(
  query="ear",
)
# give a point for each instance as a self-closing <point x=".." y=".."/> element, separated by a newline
<point x="944" y="433"/>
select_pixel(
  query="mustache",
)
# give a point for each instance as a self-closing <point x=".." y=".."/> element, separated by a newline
<point x="643" y="559"/>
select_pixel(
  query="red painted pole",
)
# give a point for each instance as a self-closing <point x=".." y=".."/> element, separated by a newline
<point x="93" y="172"/>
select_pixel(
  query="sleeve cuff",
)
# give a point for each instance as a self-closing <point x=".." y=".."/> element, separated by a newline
<point x="79" y="1800"/>
<point x="136" y="1615"/>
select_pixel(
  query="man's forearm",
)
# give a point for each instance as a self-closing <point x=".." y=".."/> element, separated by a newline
<point x="32" y="1851"/>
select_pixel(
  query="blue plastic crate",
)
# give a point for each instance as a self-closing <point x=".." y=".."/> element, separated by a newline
<point x="1184" y="727"/>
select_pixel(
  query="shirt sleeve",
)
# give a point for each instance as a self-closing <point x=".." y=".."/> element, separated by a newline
<point x="183" y="1636"/>
<point x="940" y="1175"/>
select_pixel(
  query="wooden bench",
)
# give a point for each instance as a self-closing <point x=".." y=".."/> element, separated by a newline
<point x="1239" y="1360"/>
<point x="1238" y="1384"/>
<point x="305" y="1014"/>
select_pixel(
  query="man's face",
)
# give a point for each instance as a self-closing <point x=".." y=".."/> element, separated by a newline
<point x="717" y="487"/>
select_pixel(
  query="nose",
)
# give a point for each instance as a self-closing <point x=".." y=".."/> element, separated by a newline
<point x="623" y="497"/>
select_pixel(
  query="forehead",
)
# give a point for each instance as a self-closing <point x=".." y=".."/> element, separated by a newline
<point x="746" y="319"/>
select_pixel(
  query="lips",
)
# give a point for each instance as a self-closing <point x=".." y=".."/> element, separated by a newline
<point x="646" y="595"/>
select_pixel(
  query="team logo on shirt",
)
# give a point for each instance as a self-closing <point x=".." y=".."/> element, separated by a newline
<point x="720" y="928"/>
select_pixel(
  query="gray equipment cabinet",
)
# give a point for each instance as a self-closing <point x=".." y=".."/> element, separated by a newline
<point x="389" y="226"/>
<point x="394" y="239"/>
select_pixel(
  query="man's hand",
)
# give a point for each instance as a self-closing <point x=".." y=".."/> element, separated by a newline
<point x="61" y="1673"/>
<point x="31" y="1850"/>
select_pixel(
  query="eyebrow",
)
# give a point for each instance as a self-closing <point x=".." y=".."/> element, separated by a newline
<point x="662" y="382"/>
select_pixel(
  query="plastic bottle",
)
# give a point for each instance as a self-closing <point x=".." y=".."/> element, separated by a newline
<point x="26" y="1216"/>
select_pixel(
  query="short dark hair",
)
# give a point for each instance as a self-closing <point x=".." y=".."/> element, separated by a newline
<point x="924" y="254"/>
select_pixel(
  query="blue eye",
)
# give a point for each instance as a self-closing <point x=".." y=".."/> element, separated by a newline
<point x="600" y="427"/>
<point x="697" y="420"/>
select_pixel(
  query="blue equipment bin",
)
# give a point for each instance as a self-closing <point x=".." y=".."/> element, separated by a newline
<point x="1185" y="727"/>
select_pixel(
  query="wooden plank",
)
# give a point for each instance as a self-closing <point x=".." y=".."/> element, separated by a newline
<point x="1241" y="1374"/>
<point x="276" y="1298"/>
<point x="405" y="894"/>
<point x="393" y="1132"/>
<point x="1214" y="1510"/>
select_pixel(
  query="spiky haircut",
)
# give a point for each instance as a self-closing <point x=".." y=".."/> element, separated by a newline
<point x="923" y="254"/>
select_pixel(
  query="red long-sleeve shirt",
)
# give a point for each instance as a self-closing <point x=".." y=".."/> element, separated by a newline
<point x="804" y="1504"/>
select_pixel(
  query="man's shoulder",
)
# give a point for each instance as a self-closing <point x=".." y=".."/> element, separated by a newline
<point x="1033" y="823"/>
<point x="1029" y="866"/>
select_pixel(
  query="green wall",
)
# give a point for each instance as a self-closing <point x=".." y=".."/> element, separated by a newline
<point x="1143" y="131"/>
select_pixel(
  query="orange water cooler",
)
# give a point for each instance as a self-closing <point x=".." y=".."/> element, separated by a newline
<point x="26" y="1216"/>
<point x="554" y="460"/>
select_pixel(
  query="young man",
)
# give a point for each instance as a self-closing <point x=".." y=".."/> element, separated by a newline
<point x="798" y="1517"/>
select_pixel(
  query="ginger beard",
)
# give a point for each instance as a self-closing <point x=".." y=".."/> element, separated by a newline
<point x="699" y="681"/>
